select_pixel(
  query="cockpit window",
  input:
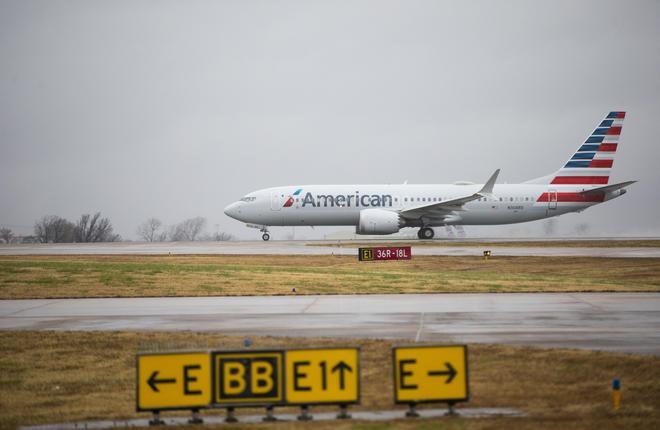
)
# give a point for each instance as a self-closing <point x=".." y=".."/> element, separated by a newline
<point x="248" y="199"/>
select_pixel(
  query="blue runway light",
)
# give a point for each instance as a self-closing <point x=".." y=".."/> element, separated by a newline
<point x="616" y="394"/>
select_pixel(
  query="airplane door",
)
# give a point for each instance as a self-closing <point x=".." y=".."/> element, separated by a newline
<point x="276" y="201"/>
<point x="552" y="199"/>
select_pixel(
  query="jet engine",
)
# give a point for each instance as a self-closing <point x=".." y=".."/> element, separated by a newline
<point x="378" y="221"/>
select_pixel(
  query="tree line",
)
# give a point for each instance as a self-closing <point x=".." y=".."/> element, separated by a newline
<point x="88" y="228"/>
<point x="96" y="228"/>
<point x="191" y="229"/>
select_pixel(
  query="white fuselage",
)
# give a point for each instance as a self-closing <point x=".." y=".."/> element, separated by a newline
<point x="580" y="183"/>
<point x="339" y="205"/>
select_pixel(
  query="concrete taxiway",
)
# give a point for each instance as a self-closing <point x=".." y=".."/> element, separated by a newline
<point x="299" y="247"/>
<point x="627" y="322"/>
<point x="218" y="420"/>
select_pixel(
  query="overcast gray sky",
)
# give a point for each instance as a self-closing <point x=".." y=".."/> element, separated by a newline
<point x="174" y="109"/>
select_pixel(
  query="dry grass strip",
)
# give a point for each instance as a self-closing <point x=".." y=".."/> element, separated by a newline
<point x="228" y="275"/>
<point x="48" y="377"/>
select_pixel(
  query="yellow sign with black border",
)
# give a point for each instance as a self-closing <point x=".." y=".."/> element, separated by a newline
<point x="250" y="378"/>
<point x="180" y="380"/>
<point x="322" y="376"/>
<point x="424" y="374"/>
<point x="366" y="254"/>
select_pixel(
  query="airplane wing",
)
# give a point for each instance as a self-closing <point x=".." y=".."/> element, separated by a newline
<point x="441" y="209"/>
<point x="608" y="188"/>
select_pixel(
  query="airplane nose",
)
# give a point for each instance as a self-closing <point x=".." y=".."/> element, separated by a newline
<point x="232" y="210"/>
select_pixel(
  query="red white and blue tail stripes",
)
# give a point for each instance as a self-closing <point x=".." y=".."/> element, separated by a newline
<point x="592" y="162"/>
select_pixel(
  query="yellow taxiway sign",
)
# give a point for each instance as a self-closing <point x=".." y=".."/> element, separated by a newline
<point x="322" y="376"/>
<point x="430" y="374"/>
<point x="173" y="381"/>
<point x="247" y="378"/>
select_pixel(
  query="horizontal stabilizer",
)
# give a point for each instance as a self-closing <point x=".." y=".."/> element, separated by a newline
<point x="608" y="188"/>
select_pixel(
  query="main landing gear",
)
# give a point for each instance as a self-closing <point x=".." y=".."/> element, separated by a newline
<point x="265" y="236"/>
<point x="425" y="233"/>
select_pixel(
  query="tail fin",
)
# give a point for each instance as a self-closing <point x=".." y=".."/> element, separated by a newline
<point x="592" y="162"/>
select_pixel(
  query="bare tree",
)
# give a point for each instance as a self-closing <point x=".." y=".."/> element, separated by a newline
<point x="6" y="234"/>
<point x="54" y="229"/>
<point x="148" y="230"/>
<point x="222" y="236"/>
<point x="188" y="229"/>
<point x="582" y="229"/>
<point x="93" y="228"/>
<point x="550" y="227"/>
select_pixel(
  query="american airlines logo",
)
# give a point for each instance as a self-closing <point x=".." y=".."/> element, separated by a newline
<point x="342" y="200"/>
<point x="291" y="199"/>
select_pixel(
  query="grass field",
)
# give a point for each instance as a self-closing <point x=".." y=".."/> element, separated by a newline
<point x="217" y="275"/>
<point x="48" y="377"/>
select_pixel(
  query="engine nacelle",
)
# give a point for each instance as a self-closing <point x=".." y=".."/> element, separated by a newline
<point x="378" y="221"/>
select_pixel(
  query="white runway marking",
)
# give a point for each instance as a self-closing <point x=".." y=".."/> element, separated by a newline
<point x="421" y="327"/>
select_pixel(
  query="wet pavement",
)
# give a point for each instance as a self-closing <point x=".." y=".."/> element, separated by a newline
<point x="625" y="322"/>
<point x="300" y="247"/>
<point x="217" y="419"/>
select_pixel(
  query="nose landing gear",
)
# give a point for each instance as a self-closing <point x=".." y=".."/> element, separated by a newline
<point x="425" y="233"/>
<point x="265" y="236"/>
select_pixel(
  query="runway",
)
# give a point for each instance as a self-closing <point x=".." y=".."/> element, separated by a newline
<point x="300" y="247"/>
<point x="626" y="322"/>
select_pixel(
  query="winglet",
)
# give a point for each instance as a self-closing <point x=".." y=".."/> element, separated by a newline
<point x="487" y="189"/>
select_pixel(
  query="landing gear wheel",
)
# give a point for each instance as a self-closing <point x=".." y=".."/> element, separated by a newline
<point x="425" y="233"/>
<point x="265" y="236"/>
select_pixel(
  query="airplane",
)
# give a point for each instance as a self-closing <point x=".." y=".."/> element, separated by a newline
<point x="581" y="182"/>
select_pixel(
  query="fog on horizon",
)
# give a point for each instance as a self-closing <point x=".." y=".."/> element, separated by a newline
<point x="175" y="109"/>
